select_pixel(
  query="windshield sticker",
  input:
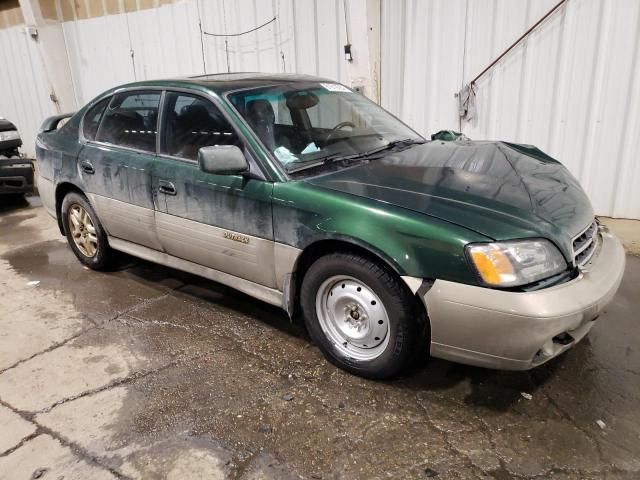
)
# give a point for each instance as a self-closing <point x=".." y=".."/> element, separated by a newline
<point x="335" y="87"/>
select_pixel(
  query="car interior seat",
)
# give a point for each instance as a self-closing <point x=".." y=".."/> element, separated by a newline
<point x="196" y="127"/>
<point x="126" y="127"/>
<point x="260" y="114"/>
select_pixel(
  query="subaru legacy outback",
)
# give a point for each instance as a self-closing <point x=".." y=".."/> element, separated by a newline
<point x="306" y="195"/>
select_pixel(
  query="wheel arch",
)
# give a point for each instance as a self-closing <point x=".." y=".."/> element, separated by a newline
<point x="323" y="247"/>
<point x="62" y="189"/>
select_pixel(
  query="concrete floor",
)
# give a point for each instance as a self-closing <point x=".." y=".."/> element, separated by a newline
<point x="628" y="231"/>
<point x="147" y="372"/>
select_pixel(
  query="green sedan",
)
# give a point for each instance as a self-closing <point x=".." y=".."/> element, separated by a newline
<point x="306" y="195"/>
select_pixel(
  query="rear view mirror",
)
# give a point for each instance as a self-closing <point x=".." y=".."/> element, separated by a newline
<point x="222" y="160"/>
<point x="301" y="100"/>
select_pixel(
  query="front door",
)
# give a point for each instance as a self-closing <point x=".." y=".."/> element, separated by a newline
<point x="223" y="222"/>
<point x="116" y="163"/>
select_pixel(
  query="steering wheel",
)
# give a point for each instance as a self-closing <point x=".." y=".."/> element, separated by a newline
<point x="339" y="126"/>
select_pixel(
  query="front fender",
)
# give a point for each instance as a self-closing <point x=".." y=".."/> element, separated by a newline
<point x="413" y="244"/>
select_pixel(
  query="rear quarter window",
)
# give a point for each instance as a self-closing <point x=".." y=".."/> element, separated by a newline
<point x="92" y="119"/>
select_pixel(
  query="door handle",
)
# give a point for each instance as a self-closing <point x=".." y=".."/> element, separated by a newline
<point x="166" y="187"/>
<point x="86" y="167"/>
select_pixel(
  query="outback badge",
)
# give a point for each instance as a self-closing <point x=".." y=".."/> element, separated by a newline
<point x="236" y="237"/>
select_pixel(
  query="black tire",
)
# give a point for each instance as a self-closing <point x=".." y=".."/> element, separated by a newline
<point x="103" y="256"/>
<point x="407" y="332"/>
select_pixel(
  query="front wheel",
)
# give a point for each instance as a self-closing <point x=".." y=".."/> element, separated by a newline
<point x="360" y="315"/>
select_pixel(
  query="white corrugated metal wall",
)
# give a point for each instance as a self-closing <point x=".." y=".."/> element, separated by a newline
<point x="25" y="92"/>
<point x="108" y="50"/>
<point x="307" y="37"/>
<point x="572" y="88"/>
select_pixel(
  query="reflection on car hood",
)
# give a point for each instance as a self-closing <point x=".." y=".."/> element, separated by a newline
<point x="6" y="125"/>
<point x="498" y="189"/>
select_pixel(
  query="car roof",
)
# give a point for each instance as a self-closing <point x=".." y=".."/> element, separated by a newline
<point x="221" y="83"/>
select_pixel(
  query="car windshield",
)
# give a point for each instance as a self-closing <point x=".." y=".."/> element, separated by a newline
<point x="306" y="124"/>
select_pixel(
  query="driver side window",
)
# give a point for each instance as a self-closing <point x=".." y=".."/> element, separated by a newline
<point x="192" y="122"/>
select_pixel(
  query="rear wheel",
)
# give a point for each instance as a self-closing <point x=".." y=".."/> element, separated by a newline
<point x="85" y="234"/>
<point x="360" y="315"/>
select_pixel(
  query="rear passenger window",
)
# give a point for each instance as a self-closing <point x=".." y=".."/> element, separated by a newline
<point x="92" y="119"/>
<point x="193" y="122"/>
<point x="131" y="121"/>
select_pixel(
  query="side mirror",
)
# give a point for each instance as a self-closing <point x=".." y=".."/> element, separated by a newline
<point x="222" y="160"/>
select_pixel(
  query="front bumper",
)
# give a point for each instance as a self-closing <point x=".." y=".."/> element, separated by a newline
<point x="521" y="330"/>
<point x="16" y="176"/>
<point x="9" y="145"/>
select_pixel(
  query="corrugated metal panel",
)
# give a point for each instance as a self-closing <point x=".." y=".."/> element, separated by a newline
<point x="25" y="93"/>
<point x="99" y="55"/>
<point x="307" y="37"/>
<point x="165" y="41"/>
<point x="572" y="88"/>
<point x="421" y="49"/>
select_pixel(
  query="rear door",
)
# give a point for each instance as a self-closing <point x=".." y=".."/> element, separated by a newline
<point x="116" y="164"/>
<point x="223" y="222"/>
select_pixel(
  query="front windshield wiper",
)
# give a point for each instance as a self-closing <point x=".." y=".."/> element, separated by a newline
<point x="334" y="157"/>
<point x="395" y="144"/>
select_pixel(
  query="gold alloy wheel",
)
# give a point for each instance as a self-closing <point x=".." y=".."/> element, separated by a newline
<point x="82" y="230"/>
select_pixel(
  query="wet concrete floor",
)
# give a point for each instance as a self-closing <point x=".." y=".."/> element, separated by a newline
<point x="147" y="372"/>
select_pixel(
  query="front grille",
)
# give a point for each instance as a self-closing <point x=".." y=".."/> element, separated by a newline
<point x="584" y="245"/>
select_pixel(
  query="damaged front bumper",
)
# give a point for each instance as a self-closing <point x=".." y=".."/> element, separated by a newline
<point x="521" y="330"/>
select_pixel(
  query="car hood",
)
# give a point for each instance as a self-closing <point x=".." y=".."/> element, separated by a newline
<point x="501" y="190"/>
<point x="6" y="125"/>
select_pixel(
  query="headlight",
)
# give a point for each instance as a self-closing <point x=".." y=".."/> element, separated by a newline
<point x="509" y="264"/>
<point x="9" y="135"/>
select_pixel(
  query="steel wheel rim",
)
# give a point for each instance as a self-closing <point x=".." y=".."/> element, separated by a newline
<point x="352" y="317"/>
<point x="82" y="230"/>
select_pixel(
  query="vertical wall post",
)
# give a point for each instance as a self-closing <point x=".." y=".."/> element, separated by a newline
<point x="364" y="31"/>
<point x="46" y="31"/>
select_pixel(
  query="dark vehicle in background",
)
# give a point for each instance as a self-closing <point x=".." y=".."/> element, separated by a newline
<point x="16" y="173"/>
